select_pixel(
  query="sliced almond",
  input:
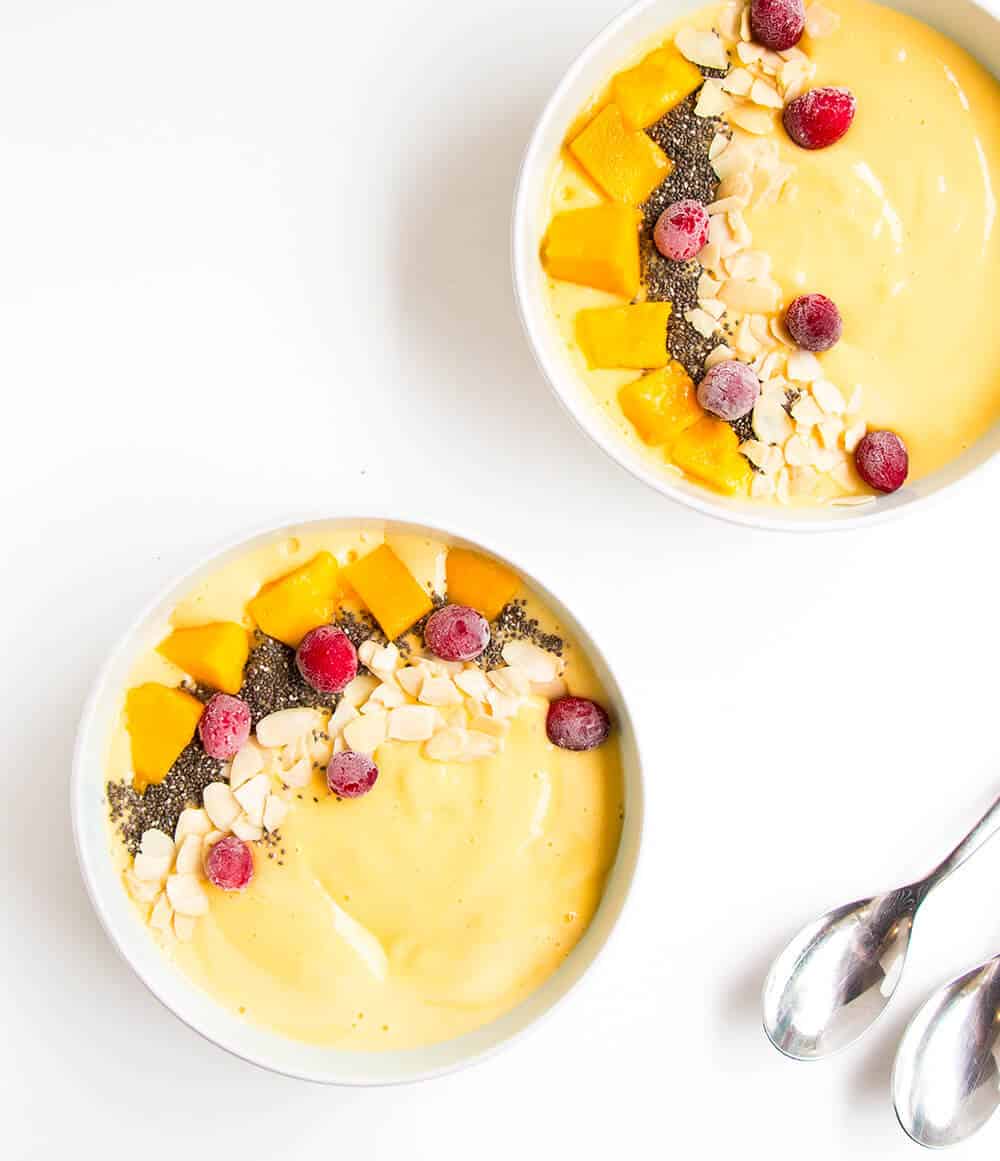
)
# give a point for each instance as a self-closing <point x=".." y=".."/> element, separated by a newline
<point x="747" y="344"/>
<point x="772" y="360"/>
<point x="748" y="52"/>
<point x="854" y="434"/>
<point x="770" y="421"/>
<point x="802" y="481"/>
<point x="473" y="683"/>
<point x="367" y="733"/>
<point x="286" y="726"/>
<point x="774" y="461"/>
<point x="275" y="812"/>
<point x="367" y="650"/>
<point x="385" y="661"/>
<point x="740" y="232"/>
<point x="550" y="690"/>
<point x="142" y="890"/>
<point x="503" y="705"/>
<point x="828" y="397"/>
<point x="412" y="723"/>
<point x="713" y="306"/>
<point x="710" y="256"/>
<point x="186" y="895"/>
<point x="854" y="403"/>
<point x="752" y="264"/>
<point x="712" y="101"/>
<point x="720" y="142"/>
<point x="852" y="501"/>
<point x="781" y="489"/>
<point x="752" y="118"/>
<point x="766" y="95"/>
<point x="156" y="844"/>
<point x="729" y="21"/>
<point x="248" y="762"/>
<point x="536" y="663"/>
<point x="702" y="47"/>
<point x="247" y="830"/>
<point x="152" y="868"/>
<point x="796" y="452"/>
<point x="720" y="354"/>
<point x="741" y="294"/>
<point x="755" y="451"/>
<point x="299" y="774"/>
<point x="410" y="679"/>
<point x="184" y="927"/>
<point x="341" y="716"/>
<point x="702" y="322"/>
<point x="386" y="695"/>
<point x="189" y="855"/>
<point x="735" y="159"/>
<point x="781" y="332"/>
<point x="486" y="725"/>
<point x="440" y="691"/>
<point x="761" y="487"/>
<point x="511" y="680"/>
<point x="251" y="796"/>
<point x="824" y="460"/>
<point x="806" y="411"/>
<point x="161" y="914"/>
<point x="738" y="81"/>
<point x="191" y="821"/>
<point x="478" y="745"/>
<point x="745" y="34"/>
<point x="221" y="805"/>
<point x="708" y="286"/>
<point x="447" y="745"/>
<point x="829" y="431"/>
<point x="804" y="367"/>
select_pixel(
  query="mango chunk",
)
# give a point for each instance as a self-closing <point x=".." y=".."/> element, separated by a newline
<point x="214" y="655"/>
<point x="287" y="608"/>
<point x="657" y="84"/>
<point x="386" y="586"/>
<point x="709" y="451"/>
<point x="596" y="246"/>
<point x="625" y="336"/>
<point x="624" y="162"/>
<point x="160" y="721"/>
<point x="479" y="582"/>
<point x="661" y="404"/>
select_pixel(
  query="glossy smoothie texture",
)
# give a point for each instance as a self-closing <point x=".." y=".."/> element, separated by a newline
<point x="433" y="904"/>
<point x="896" y="223"/>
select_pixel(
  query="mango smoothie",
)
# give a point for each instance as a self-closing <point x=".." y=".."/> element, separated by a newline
<point x="364" y="790"/>
<point x="815" y="326"/>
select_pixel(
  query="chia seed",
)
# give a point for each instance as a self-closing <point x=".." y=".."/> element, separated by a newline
<point x="514" y="624"/>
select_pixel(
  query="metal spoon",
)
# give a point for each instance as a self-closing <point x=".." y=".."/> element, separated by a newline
<point x="836" y="976"/>
<point x="945" y="1082"/>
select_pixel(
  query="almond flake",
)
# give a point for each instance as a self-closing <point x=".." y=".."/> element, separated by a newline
<point x="719" y="354"/>
<point x="161" y="914"/>
<point x="156" y="844"/>
<point x="550" y="690"/>
<point x="803" y="481"/>
<point x="780" y="331"/>
<point x="755" y="451"/>
<point x="275" y="811"/>
<point x="765" y="95"/>
<point x="712" y="101"/>
<point x="803" y="367"/>
<point x="752" y="118"/>
<point x="410" y="680"/>
<point x="191" y="821"/>
<point x="761" y="487"/>
<point x="828" y="397"/>
<point x="248" y="831"/>
<point x="748" y="52"/>
<point x="220" y="805"/>
<point x="491" y="726"/>
<point x="702" y="48"/>
<point x="824" y="460"/>
<point x="367" y="650"/>
<point x="729" y="21"/>
<point x="412" y="723"/>
<point x="745" y="34"/>
<point x="739" y="82"/>
<point x="248" y="762"/>
<point x="386" y="695"/>
<point x="286" y="726"/>
<point x="478" y="745"/>
<point x="736" y="185"/>
<point x="708" y="286"/>
<point x="446" y="745"/>
<point x="820" y="21"/>
<point x="740" y="294"/>
<point x="775" y="460"/>
<point x="251" y="796"/>
<point x="745" y="340"/>
<point x="189" y="856"/>
<point x="852" y="501"/>
<point x="511" y="680"/>
<point x="184" y="927"/>
<point x="472" y="682"/>
<point x="702" y="322"/>
<point x="829" y="431"/>
<point x="142" y="890"/>
<point x="770" y="62"/>
<point x="713" y="307"/>
<point x="806" y="411"/>
<point x="367" y="733"/>
<point x="751" y="264"/>
<point x="341" y="716"/>
<point x="854" y="403"/>
<point x="770" y="421"/>
<point x="440" y="691"/>
<point x="503" y="705"/>
<point x="781" y="486"/>
<point x="710" y="256"/>
<point x="726" y="205"/>
<point x="740" y="231"/>
<point x="854" y="434"/>
<point x="735" y="159"/>
<point x="720" y="143"/>
<point x="359" y="690"/>
<point x="186" y="895"/>
<point x="299" y="774"/>
<point x="536" y="663"/>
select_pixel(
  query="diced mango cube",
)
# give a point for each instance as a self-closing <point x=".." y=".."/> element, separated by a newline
<point x="392" y="594"/>
<point x="479" y="582"/>
<point x="596" y="246"/>
<point x="214" y="655"/>
<point x="709" y="451"/>
<point x="656" y="85"/>
<point x="625" y="336"/>
<point x="661" y="404"/>
<point x="624" y="162"/>
<point x="287" y="608"/>
<point x="160" y="721"/>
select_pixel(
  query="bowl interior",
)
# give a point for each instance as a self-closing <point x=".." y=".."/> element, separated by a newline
<point x="973" y="24"/>
<point x="199" y="1011"/>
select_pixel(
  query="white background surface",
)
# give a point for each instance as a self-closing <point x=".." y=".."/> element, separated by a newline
<point x="253" y="258"/>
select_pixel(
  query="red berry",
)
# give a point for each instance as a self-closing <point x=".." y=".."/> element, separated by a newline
<point x="729" y="390"/>
<point x="576" y="723"/>
<point x="229" y="863"/>
<point x="882" y="461"/>
<point x="457" y="633"/>
<point x="777" y="24"/>
<point x="350" y="774"/>
<point x="682" y="230"/>
<point x="224" y="726"/>
<point x="820" y="117"/>
<point x="327" y="660"/>
<point x="814" y="322"/>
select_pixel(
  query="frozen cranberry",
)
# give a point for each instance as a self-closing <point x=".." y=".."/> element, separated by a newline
<point x="814" y="322"/>
<point x="229" y="863"/>
<point x="820" y="117"/>
<point x="327" y="660"/>
<point x="729" y="390"/>
<point x="576" y="723"/>
<point x="882" y="460"/>
<point x="682" y="230"/>
<point x="457" y="633"/>
<point x="224" y="726"/>
<point x="777" y="24"/>
<point x="350" y="774"/>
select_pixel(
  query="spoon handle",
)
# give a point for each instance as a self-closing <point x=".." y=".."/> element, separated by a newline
<point x="984" y="829"/>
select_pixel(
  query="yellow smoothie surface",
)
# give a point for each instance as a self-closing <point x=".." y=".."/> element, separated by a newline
<point x="423" y="908"/>
<point x="895" y="222"/>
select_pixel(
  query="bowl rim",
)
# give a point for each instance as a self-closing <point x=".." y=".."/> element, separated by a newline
<point x="622" y="873"/>
<point x="573" y="398"/>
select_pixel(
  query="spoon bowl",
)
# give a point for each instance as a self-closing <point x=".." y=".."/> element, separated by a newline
<point x="945" y="1081"/>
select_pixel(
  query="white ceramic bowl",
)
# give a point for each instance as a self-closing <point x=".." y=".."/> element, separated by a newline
<point x="974" y="24"/>
<point x="309" y="1062"/>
